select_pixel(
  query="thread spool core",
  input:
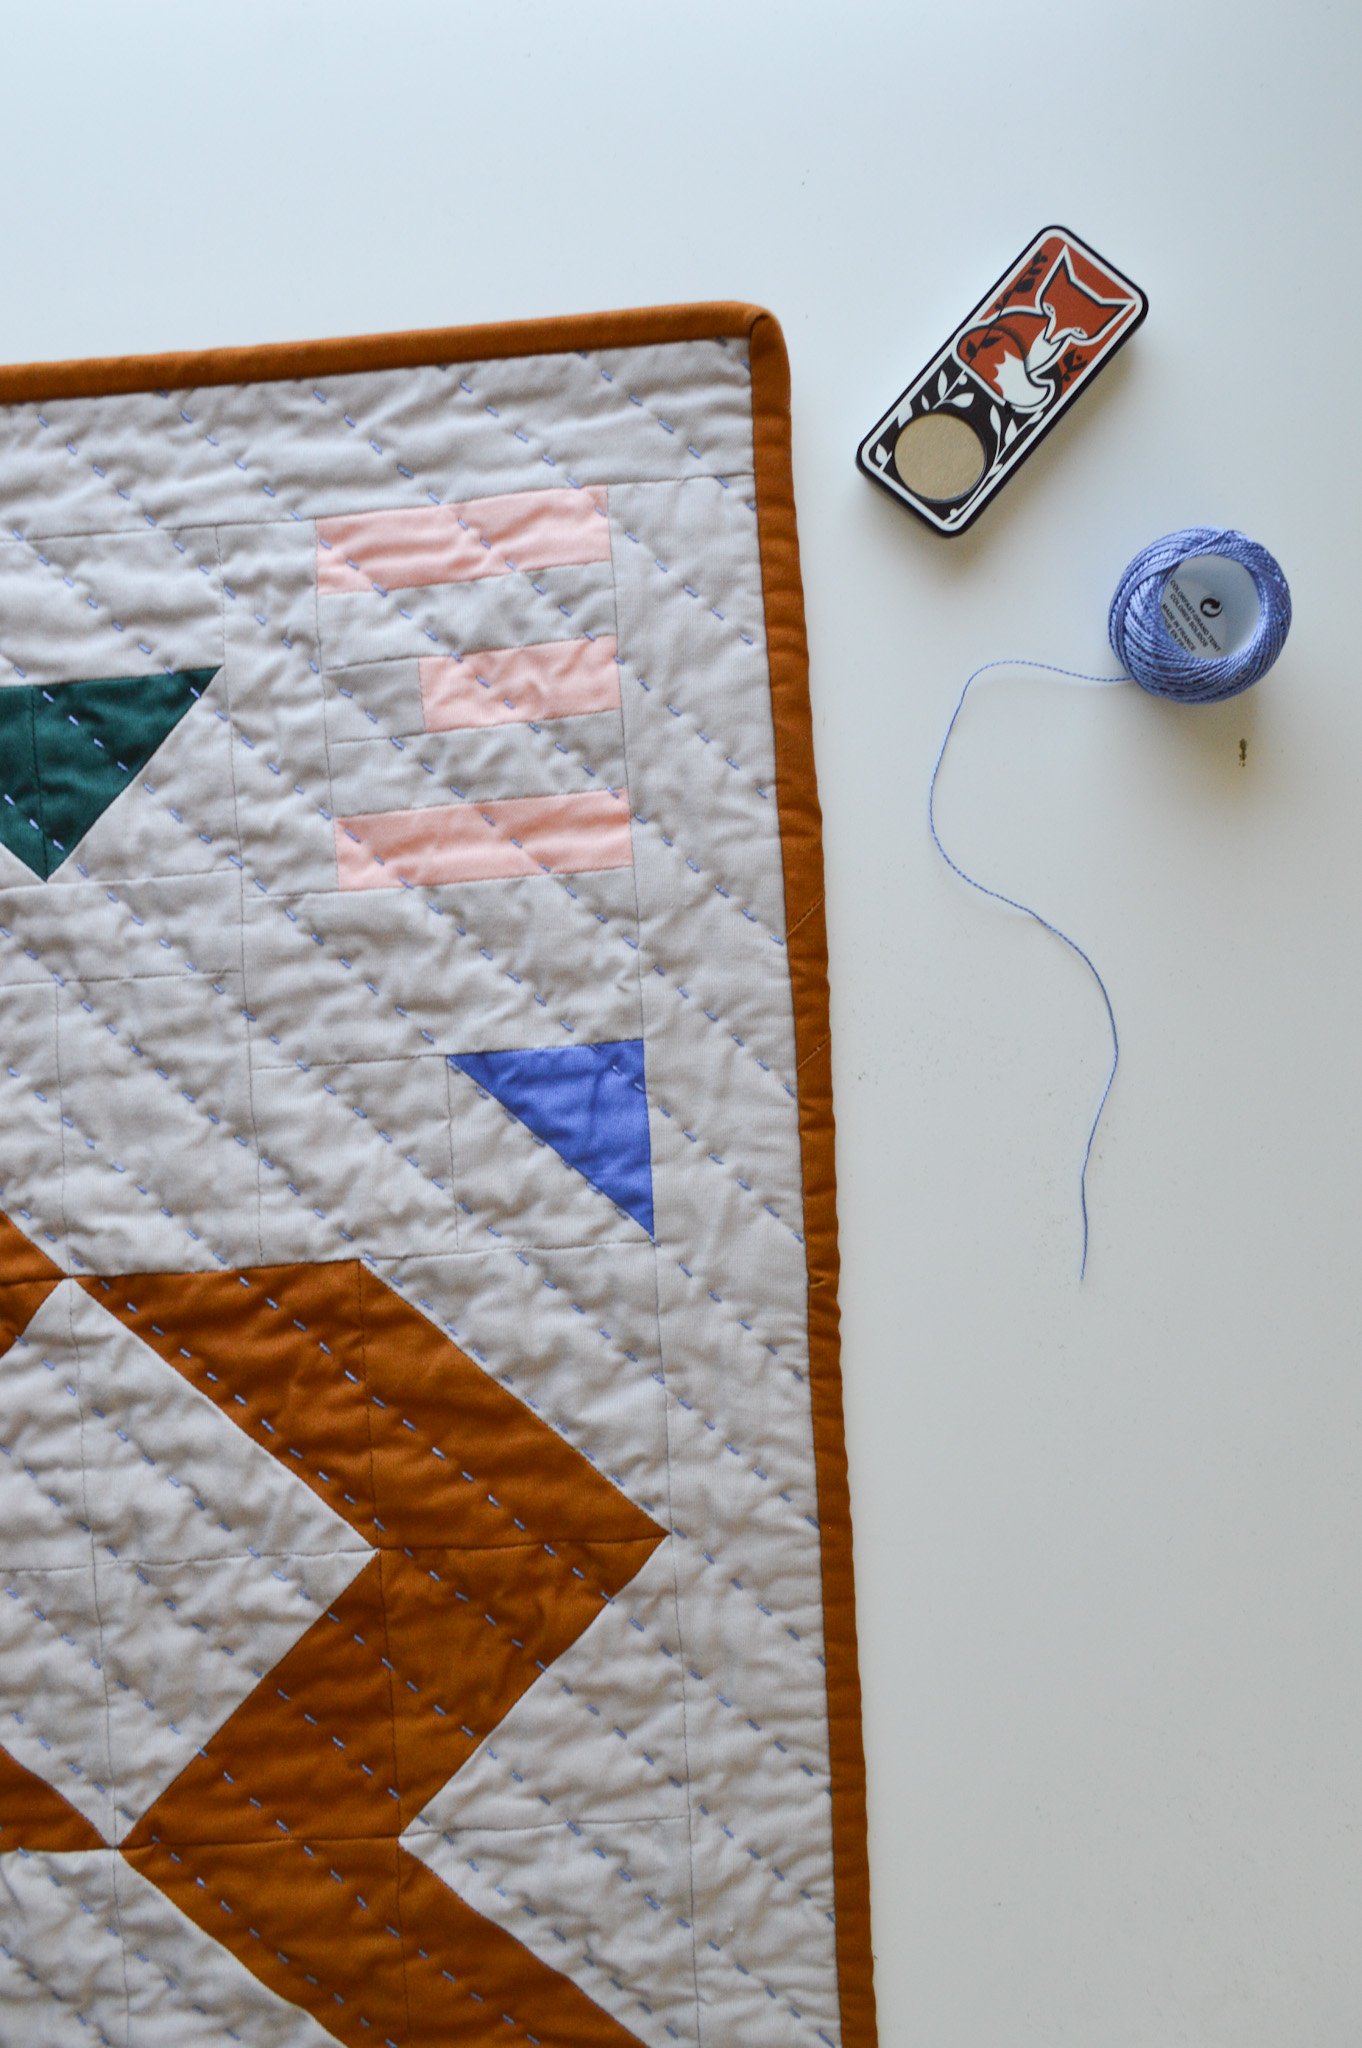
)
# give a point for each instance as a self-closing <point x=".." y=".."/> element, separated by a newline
<point x="1211" y="607"/>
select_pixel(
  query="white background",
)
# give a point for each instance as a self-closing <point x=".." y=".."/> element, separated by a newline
<point x="1109" y="1537"/>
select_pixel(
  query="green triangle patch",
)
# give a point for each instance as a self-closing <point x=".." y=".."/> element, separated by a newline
<point x="68" y="749"/>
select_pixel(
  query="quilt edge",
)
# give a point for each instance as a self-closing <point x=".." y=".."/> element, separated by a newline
<point x="801" y="838"/>
<point x="341" y="355"/>
<point x="802" y="859"/>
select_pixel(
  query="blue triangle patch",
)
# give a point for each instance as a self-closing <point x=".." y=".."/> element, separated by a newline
<point x="588" y="1102"/>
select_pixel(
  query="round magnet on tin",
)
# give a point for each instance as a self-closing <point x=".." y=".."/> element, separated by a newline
<point x="939" y="456"/>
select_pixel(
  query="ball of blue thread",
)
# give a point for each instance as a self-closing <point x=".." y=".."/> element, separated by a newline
<point x="1147" y="650"/>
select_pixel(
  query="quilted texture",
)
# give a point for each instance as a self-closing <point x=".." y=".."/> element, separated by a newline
<point x="410" y="1460"/>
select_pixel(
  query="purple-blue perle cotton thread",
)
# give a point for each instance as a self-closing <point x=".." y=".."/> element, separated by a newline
<point x="1076" y="675"/>
<point x="1153" y="659"/>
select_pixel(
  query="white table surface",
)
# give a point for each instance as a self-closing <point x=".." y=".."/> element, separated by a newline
<point x="1109" y="1537"/>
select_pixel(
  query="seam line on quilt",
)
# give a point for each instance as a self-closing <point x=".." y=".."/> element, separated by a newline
<point x="688" y="1790"/>
<point x="241" y="914"/>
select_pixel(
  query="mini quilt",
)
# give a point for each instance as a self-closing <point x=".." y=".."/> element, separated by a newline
<point x="425" y="1581"/>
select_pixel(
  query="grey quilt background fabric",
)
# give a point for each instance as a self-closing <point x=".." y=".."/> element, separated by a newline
<point x="215" y="1057"/>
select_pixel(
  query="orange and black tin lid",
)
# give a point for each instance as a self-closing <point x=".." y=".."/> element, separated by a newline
<point x="972" y="415"/>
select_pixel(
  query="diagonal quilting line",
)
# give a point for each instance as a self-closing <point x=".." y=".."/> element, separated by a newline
<point x="57" y="1907"/>
<point x="166" y="1457"/>
<point x="528" y="1998"/>
<point x="130" y="716"/>
<point x="721" y="1162"/>
<point x="565" y="519"/>
<point x="155" y="1648"/>
<point x="506" y="831"/>
<point x="310" y="1751"/>
<point x="591" y="912"/>
<point x="545" y="680"/>
<point x="749" y="1971"/>
<point x="474" y="1067"/>
<point x="377" y="1364"/>
<point x="567" y="1816"/>
<point x="216" y="1123"/>
<point x="75" y="1516"/>
<point x="595" y="361"/>
<point x="23" y="1261"/>
<point x="319" y="1940"/>
<point x="66" y="2002"/>
<point x="340" y="1738"/>
<point x="76" y="761"/>
<point x="468" y="1604"/>
<point x="194" y="1112"/>
<point x="705" y="1294"/>
<point x="576" y="753"/>
<point x="431" y="382"/>
<point x="593" y="1854"/>
<point x="362" y="1936"/>
<point x="90" y="1654"/>
<point x="419" y="1372"/>
<point x="591" y="1956"/>
<point x="316" y="1411"/>
<point x="725" y="482"/>
<point x="55" y="1748"/>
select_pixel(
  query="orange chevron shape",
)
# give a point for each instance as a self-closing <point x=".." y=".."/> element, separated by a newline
<point x="280" y="1351"/>
<point x="311" y="1750"/>
<point x="33" y="1814"/>
<point x="498" y="1618"/>
<point x="501" y="1473"/>
<point x="493" y="1996"/>
<point x="361" y="1396"/>
<point x="318" y="1922"/>
<point x="371" y="1943"/>
<point x="496" y="1545"/>
<point x="27" y="1277"/>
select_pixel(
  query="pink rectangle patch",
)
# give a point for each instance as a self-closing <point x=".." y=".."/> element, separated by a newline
<point x="503" y="685"/>
<point x="459" y="543"/>
<point x="485" y="842"/>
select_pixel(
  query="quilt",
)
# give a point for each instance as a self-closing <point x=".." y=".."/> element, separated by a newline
<point x="425" y="1576"/>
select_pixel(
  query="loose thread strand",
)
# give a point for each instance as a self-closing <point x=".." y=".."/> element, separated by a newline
<point x="1161" y="665"/>
<point x="997" y="895"/>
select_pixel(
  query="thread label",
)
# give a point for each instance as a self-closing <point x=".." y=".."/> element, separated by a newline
<point x="1210" y="606"/>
